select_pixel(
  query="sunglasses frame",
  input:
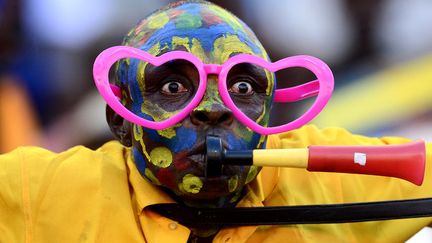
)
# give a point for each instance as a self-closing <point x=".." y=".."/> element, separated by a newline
<point x="322" y="87"/>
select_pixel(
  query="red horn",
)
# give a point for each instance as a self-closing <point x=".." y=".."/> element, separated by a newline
<point x="405" y="161"/>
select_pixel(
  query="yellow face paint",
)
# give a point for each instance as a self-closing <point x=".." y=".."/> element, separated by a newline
<point x="198" y="50"/>
<point x="224" y="46"/>
<point x="210" y="98"/>
<point x="193" y="46"/>
<point x="236" y="196"/>
<point x="253" y="171"/>
<point x="191" y="184"/>
<point x="149" y="174"/>
<point x="142" y="65"/>
<point x="261" y="141"/>
<point x="169" y="132"/>
<point x="138" y="136"/>
<point x="161" y="157"/>
<point x="180" y="41"/>
<point x="158" y="21"/>
<point x="233" y="183"/>
<point x="269" y="75"/>
<point x="159" y="114"/>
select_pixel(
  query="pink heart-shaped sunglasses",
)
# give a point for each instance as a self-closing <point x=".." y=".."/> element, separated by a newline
<point x="322" y="87"/>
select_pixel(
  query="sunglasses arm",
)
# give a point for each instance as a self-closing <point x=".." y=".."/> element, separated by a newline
<point x="297" y="93"/>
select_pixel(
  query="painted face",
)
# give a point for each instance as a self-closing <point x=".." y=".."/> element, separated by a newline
<point x="174" y="158"/>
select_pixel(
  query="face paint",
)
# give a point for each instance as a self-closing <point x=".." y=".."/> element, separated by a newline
<point x="253" y="171"/>
<point x="176" y="157"/>
<point x="191" y="184"/>
<point x="161" y="157"/>
<point x="233" y="183"/>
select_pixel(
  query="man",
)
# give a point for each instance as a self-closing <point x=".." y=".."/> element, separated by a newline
<point x="102" y="196"/>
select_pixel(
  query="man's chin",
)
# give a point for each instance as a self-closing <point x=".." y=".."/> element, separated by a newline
<point x="208" y="197"/>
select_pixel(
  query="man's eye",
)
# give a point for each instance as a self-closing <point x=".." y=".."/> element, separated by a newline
<point x="173" y="88"/>
<point x="241" y="87"/>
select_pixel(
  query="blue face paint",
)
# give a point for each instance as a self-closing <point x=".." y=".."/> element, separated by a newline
<point x="139" y="160"/>
<point x="184" y="140"/>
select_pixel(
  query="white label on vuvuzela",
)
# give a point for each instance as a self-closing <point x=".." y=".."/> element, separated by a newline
<point x="360" y="158"/>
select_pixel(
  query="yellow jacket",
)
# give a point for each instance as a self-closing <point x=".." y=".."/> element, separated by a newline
<point x="99" y="196"/>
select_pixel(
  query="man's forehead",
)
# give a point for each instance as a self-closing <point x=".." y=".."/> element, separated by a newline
<point x="195" y="27"/>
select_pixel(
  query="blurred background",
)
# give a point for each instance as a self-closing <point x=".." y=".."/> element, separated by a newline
<point x="380" y="53"/>
<point x="379" y="50"/>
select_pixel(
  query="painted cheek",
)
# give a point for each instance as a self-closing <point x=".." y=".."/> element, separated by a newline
<point x="139" y="160"/>
<point x="161" y="157"/>
<point x="250" y="142"/>
<point x="167" y="178"/>
<point x="184" y="140"/>
<point x="141" y="165"/>
<point x="242" y="132"/>
<point x="138" y="137"/>
<point x="181" y="163"/>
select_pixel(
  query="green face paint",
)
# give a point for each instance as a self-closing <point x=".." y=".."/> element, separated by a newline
<point x="188" y="21"/>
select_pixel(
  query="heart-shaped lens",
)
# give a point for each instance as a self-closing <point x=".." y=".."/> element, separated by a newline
<point x="249" y="86"/>
<point x="157" y="92"/>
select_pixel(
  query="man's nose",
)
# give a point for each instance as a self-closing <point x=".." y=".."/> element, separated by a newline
<point x="217" y="115"/>
<point x="211" y="110"/>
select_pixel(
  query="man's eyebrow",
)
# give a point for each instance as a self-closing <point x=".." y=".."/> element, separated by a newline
<point x="250" y="68"/>
<point x="172" y="64"/>
<point x="153" y="73"/>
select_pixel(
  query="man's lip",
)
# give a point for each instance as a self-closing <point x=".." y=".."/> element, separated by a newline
<point x="202" y="147"/>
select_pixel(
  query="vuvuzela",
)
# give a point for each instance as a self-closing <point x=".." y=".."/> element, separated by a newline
<point x="404" y="161"/>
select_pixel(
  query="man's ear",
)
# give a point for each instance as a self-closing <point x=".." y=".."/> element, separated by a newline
<point x="120" y="128"/>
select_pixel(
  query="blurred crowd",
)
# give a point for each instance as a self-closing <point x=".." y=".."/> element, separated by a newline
<point x="380" y="53"/>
